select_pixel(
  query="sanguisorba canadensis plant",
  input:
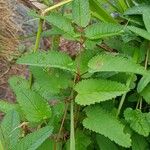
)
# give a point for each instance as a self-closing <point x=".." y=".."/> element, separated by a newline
<point x="96" y="100"/>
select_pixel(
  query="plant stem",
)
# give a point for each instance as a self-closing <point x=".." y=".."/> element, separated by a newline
<point x="38" y="37"/>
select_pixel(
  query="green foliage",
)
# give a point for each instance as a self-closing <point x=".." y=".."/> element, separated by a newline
<point x="34" y="107"/>
<point x="81" y="12"/>
<point x="138" y="121"/>
<point x="52" y="59"/>
<point x="33" y="140"/>
<point x="92" y="91"/>
<point x="101" y="30"/>
<point x="105" y="62"/>
<point x="102" y="122"/>
<point x="10" y="130"/>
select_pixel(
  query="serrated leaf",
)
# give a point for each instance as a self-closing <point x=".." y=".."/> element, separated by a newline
<point x="33" y="140"/>
<point x="143" y="83"/>
<point x="141" y="32"/>
<point x="81" y="12"/>
<point x="139" y="142"/>
<point x="146" y="19"/>
<point x="52" y="59"/>
<point x="50" y="82"/>
<point x="34" y="106"/>
<point x="111" y="63"/>
<point x="9" y="129"/>
<point x="6" y="107"/>
<point x="138" y="121"/>
<point x="137" y="10"/>
<point x="105" y="144"/>
<point x="146" y="93"/>
<point x="98" y="90"/>
<point x="61" y="22"/>
<point x="102" y="30"/>
<point x="102" y="122"/>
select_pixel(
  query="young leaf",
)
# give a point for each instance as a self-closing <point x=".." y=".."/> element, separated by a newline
<point x="93" y="90"/>
<point x="140" y="32"/>
<point x="102" y="122"/>
<point x="52" y="59"/>
<point x="105" y="144"/>
<point x="99" y="12"/>
<point x="81" y="12"/>
<point x="146" y="19"/>
<point x="146" y="93"/>
<point x="101" y="30"/>
<point x="111" y="63"/>
<point x="61" y="22"/>
<point x="138" y="121"/>
<point x="33" y="140"/>
<point x="32" y="104"/>
<point x="9" y="128"/>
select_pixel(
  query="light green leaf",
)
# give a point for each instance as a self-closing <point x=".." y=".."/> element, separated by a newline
<point x="109" y="62"/>
<point x="146" y="93"/>
<point x="98" y="90"/>
<point x="138" y="121"/>
<point x="102" y="122"/>
<point x="33" y="140"/>
<point x="52" y="59"/>
<point x="143" y="83"/>
<point x="146" y="19"/>
<point x="105" y="144"/>
<point x="102" y="30"/>
<point x="32" y="104"/>
<point x="61" y="22"/>
<point x="6" y="107"/>
<point x="81" y="12"/>
<point x="9" y="129"/>
<point x="141" y="32"/>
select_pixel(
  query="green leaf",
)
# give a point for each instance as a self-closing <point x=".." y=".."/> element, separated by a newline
<point x="81" y="12"/>
<point x="9" y="129"/>
<point x="137" y="10"/>
<point x="105" y="144"/>
<point x="143" y="83"/>
<point x="52" y="59"/>
<point x="61" y="22"/>
<point x="139" y="142"/>
<point x="99" y="12"/>
<point x="93" y="90"/>
<point x="138" y="121"/>
<point x="50" y="82"/>
<point x="146" y="93"/>
<point x="140" y="32"/>
<point x="52" y="32"/>
<point x="33" y="140"/>
<point x="101" y="30"/>
<point x="102" y="122"/>
<point x="6" y="107"/>
<point x="146" y="19"/>
<point x="32" y="104"/>
<point x="109" y="62"/>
